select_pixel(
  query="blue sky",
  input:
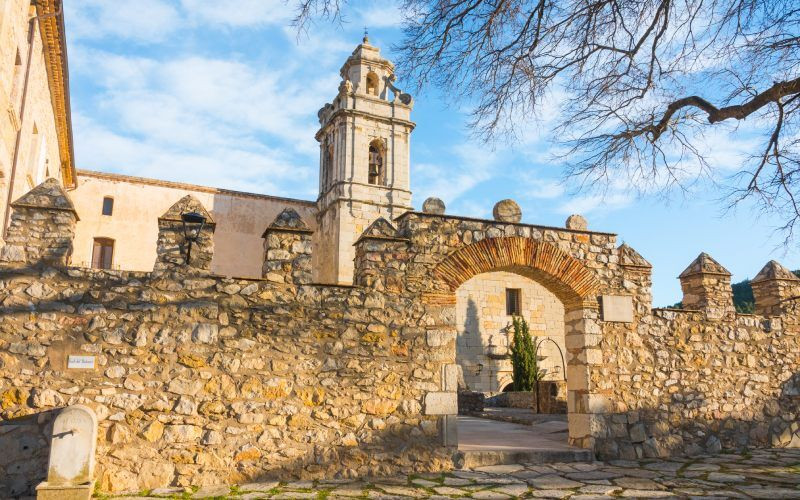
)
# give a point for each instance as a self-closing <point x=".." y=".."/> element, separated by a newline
<point x="198" y="91"/>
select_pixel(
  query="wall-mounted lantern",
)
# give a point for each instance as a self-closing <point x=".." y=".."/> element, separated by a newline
<point x="478" y="368"/>
<point x="193" y="223"/>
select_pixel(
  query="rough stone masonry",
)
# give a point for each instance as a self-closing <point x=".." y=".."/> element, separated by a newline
<point x="203" y="379"/>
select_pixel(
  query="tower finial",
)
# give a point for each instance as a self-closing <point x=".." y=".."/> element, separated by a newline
<point x="366" y="35"/>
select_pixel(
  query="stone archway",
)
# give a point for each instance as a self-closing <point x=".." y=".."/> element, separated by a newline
<point x="572" y="282"/>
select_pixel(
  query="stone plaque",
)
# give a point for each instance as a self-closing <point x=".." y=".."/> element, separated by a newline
<point x="617" y="308"/>
<point x="441" y="403"/>
<point x="72" y="447"/>
<point x="75" y="362"/>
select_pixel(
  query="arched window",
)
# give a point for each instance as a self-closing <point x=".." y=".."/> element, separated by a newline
<point x="376" y="167"/>
<point x="372" y="83"/>
<point x="327" y="165"/>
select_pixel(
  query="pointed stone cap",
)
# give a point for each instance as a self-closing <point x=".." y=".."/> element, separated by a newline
<point x="48" y="195"/>
<point x="380" y="229"/>
<point x="288" y="220"/>
<point x="631" y="258"/>
<point x="187" y="204"/>
<point x="774" y="271"/>
<point x="704" y="264"/>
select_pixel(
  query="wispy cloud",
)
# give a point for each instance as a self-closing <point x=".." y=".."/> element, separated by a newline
<point x="469" y="165"/>
<point x="243" y="13"/>
<point x="143" y="21"/>
<point x="381" y="15"/>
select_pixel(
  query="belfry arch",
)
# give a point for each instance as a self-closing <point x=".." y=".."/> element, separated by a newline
<point x="575" y="285"/>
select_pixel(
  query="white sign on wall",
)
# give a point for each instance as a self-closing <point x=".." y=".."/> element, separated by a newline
<point x="617" y="308"/>
<point x="80" y="362"/>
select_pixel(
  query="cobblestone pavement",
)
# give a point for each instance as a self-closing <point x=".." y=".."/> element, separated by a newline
<point x="760" y="474"/>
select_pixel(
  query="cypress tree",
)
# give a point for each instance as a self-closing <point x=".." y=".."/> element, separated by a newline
<point x="524" y="358"/>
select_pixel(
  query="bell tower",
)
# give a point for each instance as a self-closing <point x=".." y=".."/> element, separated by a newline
<point x="364" y="160"/>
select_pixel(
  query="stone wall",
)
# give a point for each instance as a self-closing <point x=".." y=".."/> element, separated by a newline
<point x="198" y="378"/>
<point x="201" y="379"/>
<point x="687" y="385"/>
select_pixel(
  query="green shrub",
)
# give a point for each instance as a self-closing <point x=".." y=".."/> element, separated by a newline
<point x="524" y="358"/>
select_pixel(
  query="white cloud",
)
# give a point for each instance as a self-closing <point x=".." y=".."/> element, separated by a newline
<point x="534" y="186"/>
<point x="144" y="21"/>
<point x="240" y="13"/>
<point x="470" y="166"/>
<point x="381" y="15"/>
<point x="256" y="170"/>
<point x="595" y="203"/>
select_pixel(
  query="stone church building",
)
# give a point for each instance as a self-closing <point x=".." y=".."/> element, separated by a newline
<point x="222" y="337"/>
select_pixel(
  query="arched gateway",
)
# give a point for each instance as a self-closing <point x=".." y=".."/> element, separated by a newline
<point x="572" y="282"/>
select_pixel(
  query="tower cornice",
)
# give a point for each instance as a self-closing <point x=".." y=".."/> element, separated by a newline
<point x="364" y="114"/>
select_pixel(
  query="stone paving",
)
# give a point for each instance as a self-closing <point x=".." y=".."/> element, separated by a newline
<point x="758" y="474"/>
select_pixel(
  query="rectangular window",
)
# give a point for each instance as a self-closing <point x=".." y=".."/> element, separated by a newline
<point x="102" y="253"/>
<point x="513" y="303"/>
<point x="108" y="205"/>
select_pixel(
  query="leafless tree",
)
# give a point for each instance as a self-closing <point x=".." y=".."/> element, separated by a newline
<point x="640" y="83"/>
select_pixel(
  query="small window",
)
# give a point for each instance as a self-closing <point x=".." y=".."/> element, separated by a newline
<point x="513" y="303"/>
<point x="108" y="206"/>
<point x="102" y="253"/>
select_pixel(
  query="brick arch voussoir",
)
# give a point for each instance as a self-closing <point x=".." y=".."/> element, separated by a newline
<point x="574" y="283"/>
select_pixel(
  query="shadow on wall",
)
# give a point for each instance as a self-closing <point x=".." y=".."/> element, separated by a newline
<point x="470" y="347"/>
<point x="655" y="433"/>
<point x="25" y="445"/>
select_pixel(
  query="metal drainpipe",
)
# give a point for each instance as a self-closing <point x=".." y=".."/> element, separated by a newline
<point x="31" y="33"/>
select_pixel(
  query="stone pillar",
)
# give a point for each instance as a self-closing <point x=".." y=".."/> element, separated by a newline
<point x="287" y="250"/>
<point x="636" y="279"/>
<point x="381" y="258"/>
<point x="586" y="404"/>
<point x="173" y="247"/>
<point x="772" y="287"/>
<point x="706" y="287"/>
<point x="42" y="227"/>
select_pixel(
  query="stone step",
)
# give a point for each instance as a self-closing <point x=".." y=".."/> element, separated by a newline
<point x="471" y="459"/>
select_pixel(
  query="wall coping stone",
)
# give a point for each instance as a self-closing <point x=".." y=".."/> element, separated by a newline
<point x="704" y="264"/>
<point x="189" y="203"/>
<point x="49" y="195"/>
<point x="499" y="223"/>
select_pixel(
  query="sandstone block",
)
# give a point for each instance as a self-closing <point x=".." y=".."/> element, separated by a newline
<point x="441" y="403"/>
<point x="205" y="333"/>
<point x="439" y="338"/>
<point x="153" y="431"/>
<point x="182" y="433"/>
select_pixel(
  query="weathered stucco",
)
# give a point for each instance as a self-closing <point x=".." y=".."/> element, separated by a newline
<point x="240" y="217"/>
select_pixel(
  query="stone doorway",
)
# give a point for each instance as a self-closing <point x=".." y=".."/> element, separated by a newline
<point x="540" y="267"/>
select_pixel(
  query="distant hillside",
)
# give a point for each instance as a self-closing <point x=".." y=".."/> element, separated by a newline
<point x="742" y="296"/>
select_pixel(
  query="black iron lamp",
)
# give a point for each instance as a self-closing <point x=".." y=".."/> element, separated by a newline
<point x="193" y="223"/>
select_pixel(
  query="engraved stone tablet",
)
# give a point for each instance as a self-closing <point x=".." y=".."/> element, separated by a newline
<point x="617" y="308"/>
